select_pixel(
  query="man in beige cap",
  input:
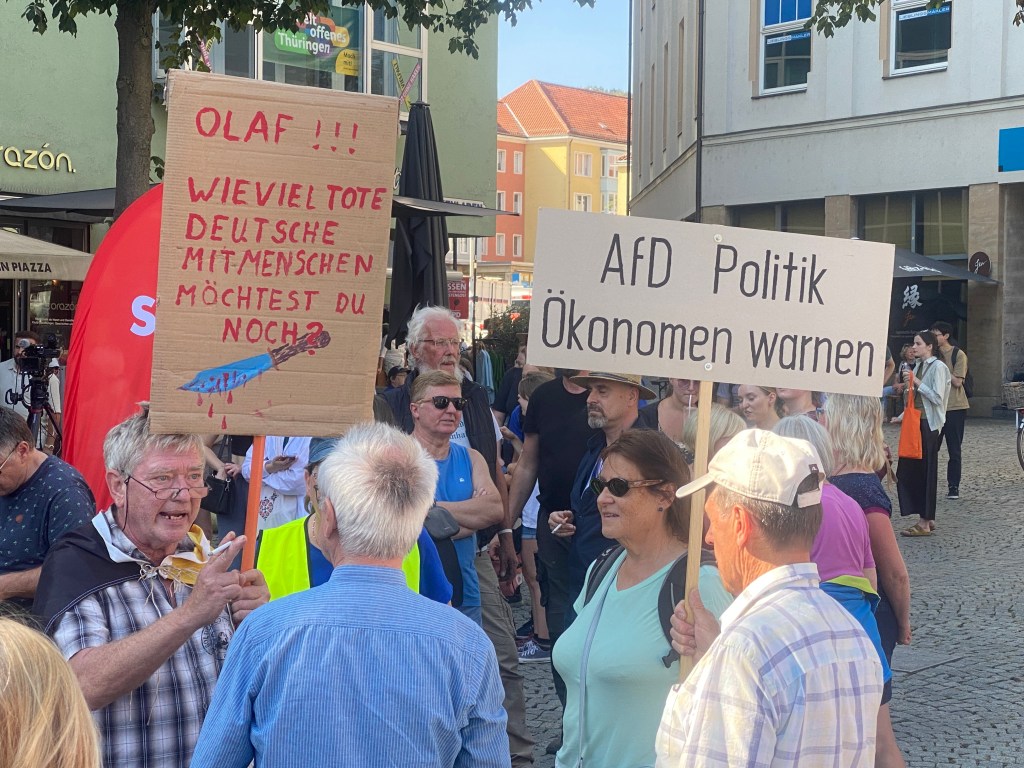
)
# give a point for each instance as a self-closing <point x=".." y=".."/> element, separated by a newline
<point x="790" y="678"/>
<point x="613" y="407"/>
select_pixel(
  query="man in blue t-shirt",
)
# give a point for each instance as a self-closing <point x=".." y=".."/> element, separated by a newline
<point x="41" y="497"/>
<point x="464" y="485"/>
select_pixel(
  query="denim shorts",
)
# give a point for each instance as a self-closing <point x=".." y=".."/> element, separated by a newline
<point x="529" y="533"/>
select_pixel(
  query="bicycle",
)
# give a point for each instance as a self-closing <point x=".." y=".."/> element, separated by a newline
<point x="1013" y="394"/>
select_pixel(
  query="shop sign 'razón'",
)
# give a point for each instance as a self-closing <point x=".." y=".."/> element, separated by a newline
<point x="699" y="301"/>
<point x="36" y="159"/>
<point x="273" y="257"/>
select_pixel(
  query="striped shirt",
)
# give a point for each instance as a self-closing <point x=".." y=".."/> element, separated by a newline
<point x="792" y="680"/>
<point x="157" y="724"/>
<point x="360" y="671"/>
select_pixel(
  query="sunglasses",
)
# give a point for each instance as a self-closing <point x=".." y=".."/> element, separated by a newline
<point x="441" y="402"/>
<point x="619" y="487"/>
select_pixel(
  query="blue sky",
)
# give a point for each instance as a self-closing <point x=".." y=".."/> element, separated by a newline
<point x="561" y="42"/>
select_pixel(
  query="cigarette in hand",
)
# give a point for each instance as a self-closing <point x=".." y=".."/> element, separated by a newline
<point x="556" y="528"/>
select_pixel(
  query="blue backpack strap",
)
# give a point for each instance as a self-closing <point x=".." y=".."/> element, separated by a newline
<point x="602" y="565"/>
<point x="673" y="589"/>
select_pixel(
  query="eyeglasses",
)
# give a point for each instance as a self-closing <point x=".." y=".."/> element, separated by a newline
<point x="441" y="402"/>
<point x="8" y="457"/>
<point x="168" y="493"/>
<point x="442" y="343"/>
<point x="618" y="486"/>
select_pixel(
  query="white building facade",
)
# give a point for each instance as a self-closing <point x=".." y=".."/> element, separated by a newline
<point x="898" y="130"/>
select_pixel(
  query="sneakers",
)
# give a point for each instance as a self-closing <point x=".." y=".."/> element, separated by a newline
<point x="531" y="651"/>
<point x="525" y="632"/>
<point x="954" y="492"/>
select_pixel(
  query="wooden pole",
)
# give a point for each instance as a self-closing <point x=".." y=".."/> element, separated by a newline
<point x="696" y="537"/>
<point x="252" y="507"/>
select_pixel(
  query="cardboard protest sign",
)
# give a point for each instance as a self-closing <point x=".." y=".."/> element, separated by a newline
<point x="273" y="256"/>
<point x="664" y="298"/>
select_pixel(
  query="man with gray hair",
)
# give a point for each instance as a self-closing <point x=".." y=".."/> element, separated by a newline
<point x="416" y="682"/>
<point x="433" y="340"/>
<point x="140" y="606"/>
<point x="790" y="678"/>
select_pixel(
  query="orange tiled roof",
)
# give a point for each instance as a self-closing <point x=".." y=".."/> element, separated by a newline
<point x="545" y="109"/>
<point x="507" y="123"/>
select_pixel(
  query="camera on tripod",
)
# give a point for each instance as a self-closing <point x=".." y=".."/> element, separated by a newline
<point x="35" y="358"/>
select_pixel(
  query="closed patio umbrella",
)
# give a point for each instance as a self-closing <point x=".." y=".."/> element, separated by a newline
<point x="418" y="272"/>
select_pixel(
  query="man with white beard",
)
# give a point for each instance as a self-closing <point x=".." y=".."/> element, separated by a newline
<point x="434" y="343"/>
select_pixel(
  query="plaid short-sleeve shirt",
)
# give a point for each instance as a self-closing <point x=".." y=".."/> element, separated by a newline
<point x="157" y="724"/>
<point x="792" y="681"/>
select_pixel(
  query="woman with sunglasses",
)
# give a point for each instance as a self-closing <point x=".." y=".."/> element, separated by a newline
<point x="611" y="655"/>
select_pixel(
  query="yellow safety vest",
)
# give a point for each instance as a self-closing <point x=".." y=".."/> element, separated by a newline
<point x="283" y="557"/>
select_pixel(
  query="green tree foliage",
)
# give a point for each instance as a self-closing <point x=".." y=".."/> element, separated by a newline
<point x="830" y="14"/>
<point x="198" y="23"/>
<point x="507" y="328"/>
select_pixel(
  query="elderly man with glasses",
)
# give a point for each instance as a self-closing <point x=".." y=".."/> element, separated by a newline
<point x="433" y="340"/>
<point x="140" y="606"/>
<point x="41" y="498"/>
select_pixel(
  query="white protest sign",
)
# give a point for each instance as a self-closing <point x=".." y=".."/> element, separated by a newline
<point x="701" y="301"/>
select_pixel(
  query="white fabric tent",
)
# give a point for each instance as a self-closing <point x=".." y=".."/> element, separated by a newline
<point x="26" y="258"/>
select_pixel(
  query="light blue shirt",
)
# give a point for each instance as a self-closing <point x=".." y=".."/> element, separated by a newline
<point x="360" y="671"/>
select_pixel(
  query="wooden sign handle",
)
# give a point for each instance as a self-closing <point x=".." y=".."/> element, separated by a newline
<point x="252" y="507"/>
<point x="696" y="537"/>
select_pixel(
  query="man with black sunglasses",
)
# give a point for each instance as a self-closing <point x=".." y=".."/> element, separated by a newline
<point x="434" y="344"/>
<point x="41" y="497"/>
<point x="613" y="406"/>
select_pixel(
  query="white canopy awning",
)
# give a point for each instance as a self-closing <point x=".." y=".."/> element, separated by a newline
<point x="26" y="258"/>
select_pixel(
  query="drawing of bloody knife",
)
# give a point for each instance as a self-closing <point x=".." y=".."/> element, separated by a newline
<point x="227" y="377"/>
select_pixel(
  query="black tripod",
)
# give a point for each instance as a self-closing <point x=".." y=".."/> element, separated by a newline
<point x="38" y="389"/>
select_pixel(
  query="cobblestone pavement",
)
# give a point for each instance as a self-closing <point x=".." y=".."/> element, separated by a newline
<point x="958" y="697"/>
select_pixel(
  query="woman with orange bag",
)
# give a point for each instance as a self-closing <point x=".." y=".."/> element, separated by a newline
<point x="927" y="390"/>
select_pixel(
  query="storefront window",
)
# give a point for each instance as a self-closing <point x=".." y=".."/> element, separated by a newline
<point x="804" y="217"/>
<point x="931" y="223"/>
<point x="325" y="52"/>
<point x="396" y="60"/>
<point x="51" y="308"/>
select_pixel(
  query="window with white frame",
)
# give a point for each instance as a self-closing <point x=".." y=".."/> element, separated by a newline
<point x="398" y="62"/>
<point x="785" y="44"/>
<point x="501" y="161"/>
<point x="517" y="246"/>
<point x="609" y="201"/>
<point x="499" y="245"/>
<point x="584" y="163"/>
<point x="463" y="246"/>
<point x="234" y="54"/>
<point x="921" y="36"/>
<point x="483" y="246"/>
<point x="501" y="200"/>
<point x="582" y="202"/>
<point x="326" y="51"/>
<point x="517" y="162"/>
<point x="517" y="202"/>
<point x="608" y="164"/>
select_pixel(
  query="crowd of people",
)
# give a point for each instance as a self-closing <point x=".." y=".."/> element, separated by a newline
<point x="375" y="626"/>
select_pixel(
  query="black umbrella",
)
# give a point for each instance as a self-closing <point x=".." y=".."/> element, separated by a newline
<point x="418" y="275"/>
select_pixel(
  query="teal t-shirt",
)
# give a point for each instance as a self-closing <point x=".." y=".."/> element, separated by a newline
<point x="627" y="683"/>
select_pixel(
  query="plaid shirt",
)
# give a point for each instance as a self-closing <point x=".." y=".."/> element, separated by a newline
<point x="157" y="724"/>
<point x="792" y="680"/>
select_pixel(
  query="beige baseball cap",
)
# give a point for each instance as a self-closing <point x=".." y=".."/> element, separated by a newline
<point x="762" y="465"/>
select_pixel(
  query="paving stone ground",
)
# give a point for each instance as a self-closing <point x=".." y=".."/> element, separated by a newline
<point x="958" y="695"/>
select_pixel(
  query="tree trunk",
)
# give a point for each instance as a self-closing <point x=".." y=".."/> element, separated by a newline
<point x="135" y="128"/>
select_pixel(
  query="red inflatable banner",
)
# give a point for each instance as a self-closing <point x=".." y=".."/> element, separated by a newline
<point x="111" y="356"/>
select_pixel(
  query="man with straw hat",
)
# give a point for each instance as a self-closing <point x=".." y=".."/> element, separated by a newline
<point x="613" y="407"/>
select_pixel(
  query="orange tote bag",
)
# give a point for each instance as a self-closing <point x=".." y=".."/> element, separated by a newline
<point x="910" y="433"/>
